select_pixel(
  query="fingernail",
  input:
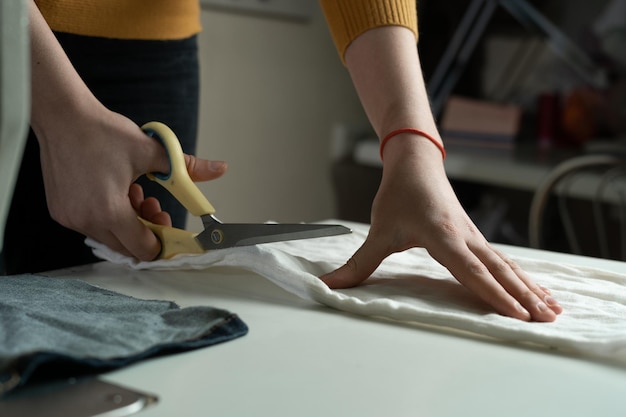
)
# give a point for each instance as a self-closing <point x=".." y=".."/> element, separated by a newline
<point x="216" y="165"/>
<point x="542" y="307"/>
<point x="521" y="309"/>
<point x="551" y="301"/>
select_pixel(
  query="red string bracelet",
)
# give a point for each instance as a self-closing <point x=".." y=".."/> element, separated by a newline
<point x="414" y="131"/>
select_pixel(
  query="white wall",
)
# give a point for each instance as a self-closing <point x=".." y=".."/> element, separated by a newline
<point x="271" y="92"/>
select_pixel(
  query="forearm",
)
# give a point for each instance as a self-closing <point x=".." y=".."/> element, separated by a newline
<point x="415" y="205"/>
<point x="385" y="68"/>
<point x="56" y="88"/>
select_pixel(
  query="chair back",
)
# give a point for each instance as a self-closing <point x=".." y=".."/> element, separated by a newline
<point x="580" y="207"/>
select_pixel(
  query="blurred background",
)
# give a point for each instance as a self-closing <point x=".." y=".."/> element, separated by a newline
<point x="272" y="88"/>
<point x="544" y="81"/>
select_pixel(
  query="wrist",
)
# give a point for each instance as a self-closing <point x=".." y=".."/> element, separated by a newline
<point x="411" y="160"/>
<point x="413" y="140"/>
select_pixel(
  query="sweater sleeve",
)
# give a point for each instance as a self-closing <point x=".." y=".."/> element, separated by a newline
<point x="347" y="19"/>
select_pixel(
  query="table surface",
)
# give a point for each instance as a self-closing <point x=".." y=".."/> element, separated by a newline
<point x="304" y="359"/>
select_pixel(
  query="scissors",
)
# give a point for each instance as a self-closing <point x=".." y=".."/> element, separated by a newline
<point x="216" y="235"/>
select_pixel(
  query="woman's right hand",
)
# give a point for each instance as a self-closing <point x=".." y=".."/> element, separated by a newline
<point x="89" y="170"/>
<point x="90" y="156"/>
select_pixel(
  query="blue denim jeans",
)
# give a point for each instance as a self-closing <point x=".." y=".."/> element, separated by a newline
<point x="143" y="80"/>
<point x="54" y="328"/>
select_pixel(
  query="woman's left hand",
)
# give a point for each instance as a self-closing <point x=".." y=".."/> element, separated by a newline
<point x="416" y="207"/>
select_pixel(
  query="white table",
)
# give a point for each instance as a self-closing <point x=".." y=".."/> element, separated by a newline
<point x="303" y="359"/>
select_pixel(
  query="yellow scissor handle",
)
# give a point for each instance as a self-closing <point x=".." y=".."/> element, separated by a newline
<point x="177" y="182"/>
<point x="174" y="241"/>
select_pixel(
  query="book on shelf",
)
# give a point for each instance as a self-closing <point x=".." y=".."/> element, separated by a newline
<point x="480" y="125"/>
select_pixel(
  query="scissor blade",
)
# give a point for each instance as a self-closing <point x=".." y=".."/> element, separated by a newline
<point x="223" y="235"/>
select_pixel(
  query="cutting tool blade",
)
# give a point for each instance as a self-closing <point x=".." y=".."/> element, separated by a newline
<point x="217" y="235"/>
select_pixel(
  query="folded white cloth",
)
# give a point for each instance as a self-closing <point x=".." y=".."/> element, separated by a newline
<point x="412" y="287"/>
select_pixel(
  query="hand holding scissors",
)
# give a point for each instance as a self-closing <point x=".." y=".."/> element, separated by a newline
<point x="216" y="235"/>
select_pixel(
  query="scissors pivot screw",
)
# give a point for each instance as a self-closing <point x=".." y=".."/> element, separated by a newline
<point x="217" y="236"/>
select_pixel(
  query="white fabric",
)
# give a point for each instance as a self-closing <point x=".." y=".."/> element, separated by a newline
<point x="411" y="287"/>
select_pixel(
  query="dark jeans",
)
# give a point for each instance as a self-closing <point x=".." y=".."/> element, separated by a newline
<point x="143" y="80"/>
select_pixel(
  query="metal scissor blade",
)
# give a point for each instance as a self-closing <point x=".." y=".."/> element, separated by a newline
<point x="223" y="235"/>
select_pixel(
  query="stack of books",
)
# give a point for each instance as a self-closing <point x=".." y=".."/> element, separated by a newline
<point x="476" y="125"/>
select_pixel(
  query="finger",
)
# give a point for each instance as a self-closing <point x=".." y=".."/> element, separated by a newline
<point x="358" y="268"/>
<point x="542" y="292"/>
<point x="148" y="208"/>
<point x="162" y="218"/>
<point x="137" y="239"/>
<point x="136" y="196"/>
<point x="204" y="170"/>
<point x="154" y="159"/>
<point x="546" y="290"/>
<point x="109" y="240"/>
<point x="144" y="245"/>
<point x="470" y="271"/>
<point x="526" y="292"/>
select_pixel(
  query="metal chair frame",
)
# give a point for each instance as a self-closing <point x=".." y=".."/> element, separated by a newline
<point x="560" y="182"/>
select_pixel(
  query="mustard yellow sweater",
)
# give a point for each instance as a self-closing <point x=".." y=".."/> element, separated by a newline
<point x="178" y="19"/>
<point x="347" y="19"/>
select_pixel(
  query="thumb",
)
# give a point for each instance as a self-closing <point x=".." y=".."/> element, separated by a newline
<point x="358" y="268"/>
<point x="204" y="170"/>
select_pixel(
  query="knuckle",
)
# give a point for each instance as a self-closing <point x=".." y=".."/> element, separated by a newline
<point x="528" y="296"/>
<point x="515" y="267"/>
<point x="500" y="267"/>
<point x="352" y="264"/>
<point x="512" y="264"/>
<point x="476" y="267"/>
<point x="449" y="228"/>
